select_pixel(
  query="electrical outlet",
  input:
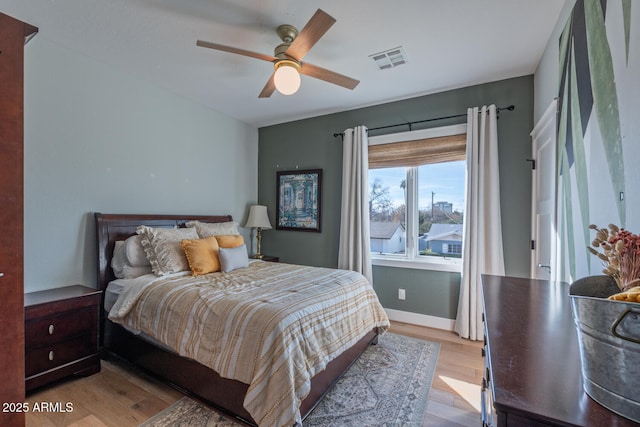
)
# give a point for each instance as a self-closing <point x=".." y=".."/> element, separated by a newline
<point x="401" y="294"/>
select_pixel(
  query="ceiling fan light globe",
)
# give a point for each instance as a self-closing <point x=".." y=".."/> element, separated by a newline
<point x="286" y="79"/>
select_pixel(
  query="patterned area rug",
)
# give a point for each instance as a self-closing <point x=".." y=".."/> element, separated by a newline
<point x="387" y="386"/>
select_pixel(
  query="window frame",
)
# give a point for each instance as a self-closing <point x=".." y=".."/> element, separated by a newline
<point x="412" y="258"/>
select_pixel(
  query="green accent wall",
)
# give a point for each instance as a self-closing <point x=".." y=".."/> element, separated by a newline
<point x="428" y="292"/>
<point x="310" y="144"/>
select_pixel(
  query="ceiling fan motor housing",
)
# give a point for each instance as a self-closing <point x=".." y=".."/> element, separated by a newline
<point x="287" y="33"/>
<point x="287" y="58"/>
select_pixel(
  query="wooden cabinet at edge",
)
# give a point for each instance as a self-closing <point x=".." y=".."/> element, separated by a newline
<point x="13" y="35"/>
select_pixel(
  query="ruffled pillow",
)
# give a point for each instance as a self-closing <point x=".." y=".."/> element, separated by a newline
<point x="163" y="248"/>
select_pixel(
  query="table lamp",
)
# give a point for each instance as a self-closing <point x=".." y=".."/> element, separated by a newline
<point x="259" y="219"/>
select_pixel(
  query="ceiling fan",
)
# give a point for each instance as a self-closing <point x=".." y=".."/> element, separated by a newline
<point x="287" y="58"/>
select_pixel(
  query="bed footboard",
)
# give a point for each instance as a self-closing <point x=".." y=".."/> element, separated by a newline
<point x="194" y="379"/>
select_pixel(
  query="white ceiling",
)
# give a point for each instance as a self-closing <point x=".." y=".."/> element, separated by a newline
<point x="448" y="43"/>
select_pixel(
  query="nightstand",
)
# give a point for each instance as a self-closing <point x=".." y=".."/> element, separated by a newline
<point x="269" y="258"/>
<point x="61" y="334"/>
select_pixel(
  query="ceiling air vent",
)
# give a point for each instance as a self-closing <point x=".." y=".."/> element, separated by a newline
<point x="389" y="58"/>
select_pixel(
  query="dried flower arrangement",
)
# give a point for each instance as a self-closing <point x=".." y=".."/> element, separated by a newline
<point x="620" y="254"/>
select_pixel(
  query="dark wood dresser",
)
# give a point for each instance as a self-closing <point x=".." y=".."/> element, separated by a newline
<point x="61" y="334"/>
<point x="532" y="361"/>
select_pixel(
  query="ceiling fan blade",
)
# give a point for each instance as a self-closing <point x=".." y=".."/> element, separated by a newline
<point x="230" y="49"/>
<point x="268" y="89"/>
<point x="319" y="24"/>
<point x="328" y="76"/>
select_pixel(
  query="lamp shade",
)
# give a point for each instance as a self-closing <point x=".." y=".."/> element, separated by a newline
<point x="258" y="217"/>
<point x="286" y="77"/>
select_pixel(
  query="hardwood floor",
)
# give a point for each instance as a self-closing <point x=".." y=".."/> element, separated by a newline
<point x="120" y="396"/>
<point x="454" y="400"/>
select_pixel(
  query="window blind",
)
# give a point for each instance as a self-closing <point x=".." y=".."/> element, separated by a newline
<point x="418" y="152"/>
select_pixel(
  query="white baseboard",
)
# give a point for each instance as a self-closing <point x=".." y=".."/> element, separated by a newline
<point x="420" y="319"/>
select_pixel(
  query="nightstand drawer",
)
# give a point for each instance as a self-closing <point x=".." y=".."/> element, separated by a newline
<point x="44" y="358"/>
<point x="60" y="326"/>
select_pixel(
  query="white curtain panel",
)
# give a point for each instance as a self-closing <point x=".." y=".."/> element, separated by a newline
<point x="354" y="252"/>
<point x="482" y="251"/>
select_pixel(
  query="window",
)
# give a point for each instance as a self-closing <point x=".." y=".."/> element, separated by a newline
<point x="416" y="198"/>
<point x="452" y="248"/>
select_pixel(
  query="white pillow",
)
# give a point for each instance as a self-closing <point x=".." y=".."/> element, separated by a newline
<point x="122" y="269"/>
<point x="119" y="259"/>
<point x="206" y="229"/>
<point x="163" y="249"/>
<point x="135" y="252"/>
<point x="233" y="258"/>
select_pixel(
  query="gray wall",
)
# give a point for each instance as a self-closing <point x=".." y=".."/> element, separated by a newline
<point x="310" y="144"/>
<point x="99" y="139"/>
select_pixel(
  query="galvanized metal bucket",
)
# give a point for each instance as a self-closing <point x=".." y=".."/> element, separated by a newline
<point x="609" y="338"/>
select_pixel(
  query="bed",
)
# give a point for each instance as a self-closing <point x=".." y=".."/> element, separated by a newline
<point x="242" y="389"/>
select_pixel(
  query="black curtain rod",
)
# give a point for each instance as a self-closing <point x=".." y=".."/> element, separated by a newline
<point x="410" y="124"/>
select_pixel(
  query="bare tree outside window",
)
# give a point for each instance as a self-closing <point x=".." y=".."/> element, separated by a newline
<point x="438" y="229"/>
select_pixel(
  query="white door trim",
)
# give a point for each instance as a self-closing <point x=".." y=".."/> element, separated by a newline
<point x="545" y="132"/>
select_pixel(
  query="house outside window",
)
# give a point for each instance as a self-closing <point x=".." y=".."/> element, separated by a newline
<point x="445" y="240"/>
<point x="416" y="202"/>
<point x="387" y="237"/>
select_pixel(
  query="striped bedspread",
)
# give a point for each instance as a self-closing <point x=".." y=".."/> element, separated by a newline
<point x="272" y="326"/>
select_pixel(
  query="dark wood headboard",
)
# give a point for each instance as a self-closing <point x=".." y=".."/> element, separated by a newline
<point x="113" y="227"/>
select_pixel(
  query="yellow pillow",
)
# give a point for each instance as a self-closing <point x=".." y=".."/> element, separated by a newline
<point x="230" y="240"/>
<point x="202" y="255"/>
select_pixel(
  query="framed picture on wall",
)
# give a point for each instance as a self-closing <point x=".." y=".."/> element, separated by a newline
<point x="298" y="200"/>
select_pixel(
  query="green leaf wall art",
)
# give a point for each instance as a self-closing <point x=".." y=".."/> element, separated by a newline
<point x="626" y="12"/>
<point x="588" y="92"/>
